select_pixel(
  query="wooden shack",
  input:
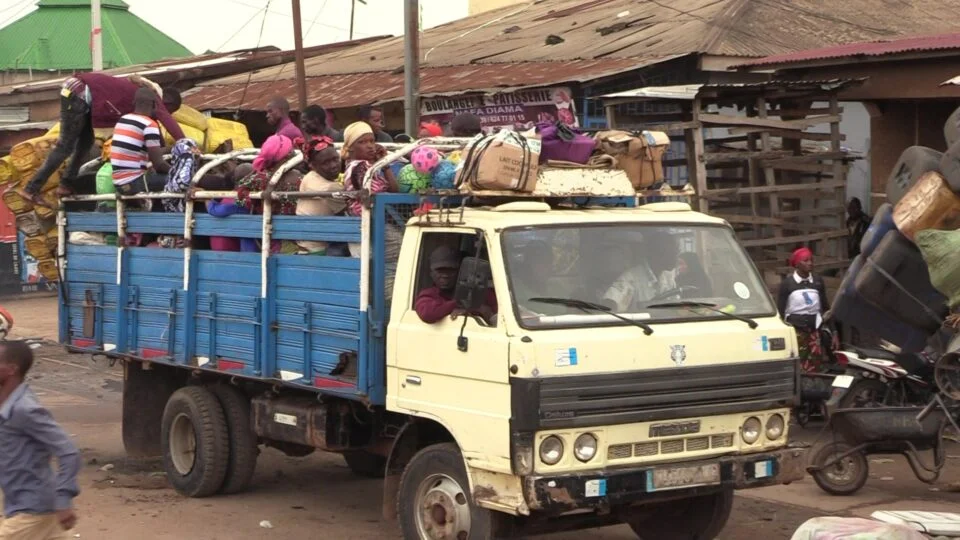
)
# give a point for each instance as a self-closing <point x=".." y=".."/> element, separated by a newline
<point x="767" y="157"/>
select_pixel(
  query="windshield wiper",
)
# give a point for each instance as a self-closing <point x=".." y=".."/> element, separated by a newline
<point x="706" y="305"/>
<point x="587" y="307"/>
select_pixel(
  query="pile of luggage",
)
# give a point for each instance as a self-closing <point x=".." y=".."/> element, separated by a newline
<point x="906" y="280"/>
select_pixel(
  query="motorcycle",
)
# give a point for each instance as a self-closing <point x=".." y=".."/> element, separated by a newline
<point x="877" y="377"/>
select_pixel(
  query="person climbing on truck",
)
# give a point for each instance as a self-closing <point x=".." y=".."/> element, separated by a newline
<point x="137" y="145"/>
<point x="436" y="302"/>
<point x="88" y="101"/>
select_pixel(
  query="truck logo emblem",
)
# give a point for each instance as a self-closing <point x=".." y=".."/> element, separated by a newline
<point x="678" y="353"/>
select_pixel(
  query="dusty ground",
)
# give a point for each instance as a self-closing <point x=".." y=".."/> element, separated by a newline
<point x="317" y="495"/>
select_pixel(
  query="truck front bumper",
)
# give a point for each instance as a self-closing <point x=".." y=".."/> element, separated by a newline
<point x="624" y="487"/>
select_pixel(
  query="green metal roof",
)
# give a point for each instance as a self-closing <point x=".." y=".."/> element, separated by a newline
<point x="56" y="36"/>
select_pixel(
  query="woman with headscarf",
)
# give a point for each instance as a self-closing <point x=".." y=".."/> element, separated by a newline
<point x="802" y="301"/>
<point x="273" y="153"/>
<point x="360" y="151"/>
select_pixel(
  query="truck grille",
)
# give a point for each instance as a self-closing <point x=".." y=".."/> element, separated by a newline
<point x="671" y="446"/>
<point x="650" y="395"/>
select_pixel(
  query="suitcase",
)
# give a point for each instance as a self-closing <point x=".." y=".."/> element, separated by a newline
<point x="895" y="280"/>
<point x="930" y="204"/>
<point x="882" y="224"/>
<point x="850" y="309"/>
<point x="951" y="128"/>
<point x="913" y="163"/>
<point x="950" y="167"/>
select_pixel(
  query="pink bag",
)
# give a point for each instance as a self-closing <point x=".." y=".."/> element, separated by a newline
<point x="560" y="142"/>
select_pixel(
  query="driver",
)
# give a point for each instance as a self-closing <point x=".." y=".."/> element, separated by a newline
<point x="639" y="283"/>
<point x="436" y="302"/>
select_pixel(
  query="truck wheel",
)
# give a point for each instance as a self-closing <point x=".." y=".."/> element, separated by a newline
<point x="697" y="518"/>
<point x="435" y="501"/>
<point x="243" y="442"/>
<point x="846" y="476"/>
<point x="366" y="464"/>
<point x="196" y="445"/>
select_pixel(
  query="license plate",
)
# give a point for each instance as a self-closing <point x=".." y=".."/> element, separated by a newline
<point x="842" y="381"/>
<point x="682" y="477"/>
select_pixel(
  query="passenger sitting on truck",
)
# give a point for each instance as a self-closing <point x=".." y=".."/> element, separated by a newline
<point x="136" y="145"/>
<point x="360" y="151"/>
<point x="436" y="302"/>
<point x="324" y="169"/>
<point x="466" y="125"/>
<point x="273" y="153"/>
<point x="224" y="208"/>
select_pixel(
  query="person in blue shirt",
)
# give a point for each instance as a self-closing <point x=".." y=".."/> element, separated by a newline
<point x="37" y="504"/>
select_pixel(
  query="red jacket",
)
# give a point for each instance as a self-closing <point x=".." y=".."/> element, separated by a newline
<point x="113" y="98"/>
<point x="433" y="305"/>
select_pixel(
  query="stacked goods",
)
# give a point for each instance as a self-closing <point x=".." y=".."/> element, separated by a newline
<point x="930" y="204"/>
<point x="189" y="132"/>
<point x="188" y="116"/>
<point x="951" y="128"/>
<point x="220" y="131"/>
<point x="37" y="247"/>
<point x="30" y="154"/>
<point x="851" y="308"/>
<point x="941" y="251"/>
<point x="914" y="162"/>
<point x="882" y="224"/>
<point x="48" y="269"/>
<point x="895" y="279"/>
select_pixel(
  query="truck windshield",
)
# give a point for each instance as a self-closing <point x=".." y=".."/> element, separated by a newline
<point x="647" y="273"/>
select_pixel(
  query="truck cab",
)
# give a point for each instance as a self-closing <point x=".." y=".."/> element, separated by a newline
<point x="586" y="360"/>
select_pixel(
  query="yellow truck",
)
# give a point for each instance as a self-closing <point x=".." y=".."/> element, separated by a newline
<point x="508" y="363"/>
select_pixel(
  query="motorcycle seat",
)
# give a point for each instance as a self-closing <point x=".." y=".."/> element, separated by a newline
<point x="882" y="354"/>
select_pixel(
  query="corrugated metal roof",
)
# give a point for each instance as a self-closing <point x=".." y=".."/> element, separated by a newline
<point x="940" y="42"/>
<point x="56" y="36"/>
<point x="688" y="92"/>
<point x="353" y="89"/>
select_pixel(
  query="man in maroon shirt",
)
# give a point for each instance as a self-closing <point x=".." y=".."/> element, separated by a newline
<point x="88" y="101"/>
<point x="435" y="303"/>
<point x="278" y="116"/>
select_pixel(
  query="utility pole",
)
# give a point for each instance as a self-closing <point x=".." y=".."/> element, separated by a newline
<point x="353" y="9"/>
<point x="96" y="36"/>
<point x="298" y="56"/>
<point x="411" y="67"/>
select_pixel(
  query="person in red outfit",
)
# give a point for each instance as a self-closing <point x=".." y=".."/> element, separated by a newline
<point x="435" y="303"/>
<point x="88" y="101"/>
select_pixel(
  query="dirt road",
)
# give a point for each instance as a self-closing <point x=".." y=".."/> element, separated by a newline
<point x="305" y="497"/>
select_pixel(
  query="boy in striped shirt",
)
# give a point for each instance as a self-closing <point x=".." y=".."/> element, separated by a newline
<point x="136" y="145"/>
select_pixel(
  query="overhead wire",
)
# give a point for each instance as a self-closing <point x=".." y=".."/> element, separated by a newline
<point x="243" y="96"/>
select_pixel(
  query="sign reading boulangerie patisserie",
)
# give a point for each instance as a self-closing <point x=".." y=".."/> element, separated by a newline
<point x="518" y="110"/>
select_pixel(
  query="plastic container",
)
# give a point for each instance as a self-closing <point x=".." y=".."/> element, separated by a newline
<point x="17" y="204"/>
<point x="37" y="247"/>
<point x="951" y="128"/>
<point x="950" y="167"/>
<point x="48" y="212"/>
<point x="48" y="269"/>
<point x="220" y="130"/>
<point x="941" y="252"/>
<point x="882" y="224"/>
<point x="8" y="173"/>
<point x="849" y="308"/>
<point x="52" y="240"/>
<point x="30" y="153"/>
<point x="188" y="116"/>
<point x="32" y="224"/>
<point x="914" y="162"/>
<point x="895" y="279"/>
<point x="930" y="204"/>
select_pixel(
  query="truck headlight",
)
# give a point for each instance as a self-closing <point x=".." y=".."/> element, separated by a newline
<point x="551" y="450"/>
<point x="775" y="427"/>
<point x="751" y="430"/>
<point x="585" y="447"/>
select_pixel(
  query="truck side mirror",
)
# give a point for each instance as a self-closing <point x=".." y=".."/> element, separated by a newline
<point x="473" y="282"/>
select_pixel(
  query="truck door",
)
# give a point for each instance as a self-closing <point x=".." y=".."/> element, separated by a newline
<point x="461" y="382"/>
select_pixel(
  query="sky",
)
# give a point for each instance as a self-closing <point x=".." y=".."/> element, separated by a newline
<point x="224" y="25"/>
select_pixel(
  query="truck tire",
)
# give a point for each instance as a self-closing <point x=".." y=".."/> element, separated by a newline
<point x="366" y="464"/>
<point x="196" y="445"/>
<point x="697" y="518"/>
<point x="243" y="441"/>
<point x="435" y="501"/>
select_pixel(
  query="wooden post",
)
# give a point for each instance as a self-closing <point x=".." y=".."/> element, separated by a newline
<point x="611" y="111"/>
<point x="696" y="167"/>
<point x="770" y="176"/>
<point x="298" y="57"/>
<point x="839" y="175"/>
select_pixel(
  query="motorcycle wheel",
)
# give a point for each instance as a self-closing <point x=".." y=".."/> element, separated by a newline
<point x="864" y="393"/>
<point x="844" y="477"/>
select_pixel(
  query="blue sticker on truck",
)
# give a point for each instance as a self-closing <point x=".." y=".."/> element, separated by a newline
<point x="565" y="357"/>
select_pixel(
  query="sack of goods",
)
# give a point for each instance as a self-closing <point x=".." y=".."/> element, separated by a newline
<point x="188" y="116"/>
<point x="941" y="251"/>
<point x="506" y="161"/>
<point x="641" y="157"/>
<point x="895" y="279"/>
<point x="930" y="204"/>
<point x="220" y="131"/>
